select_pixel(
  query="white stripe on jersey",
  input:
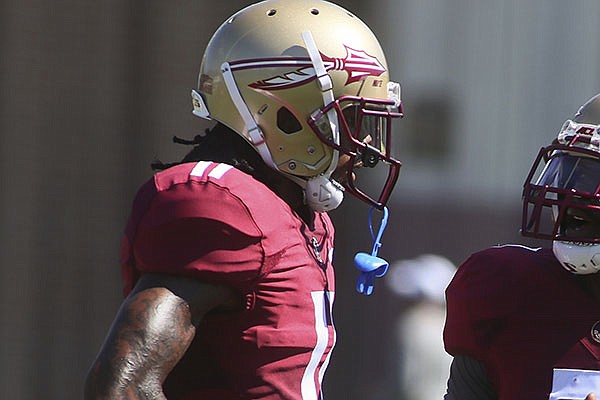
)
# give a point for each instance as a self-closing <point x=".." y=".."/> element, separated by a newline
<point x="217" y="172"/>
<point x="307" y="386"/>
<point x="535" y="249"/>
<point x="330" y="296"/>
<point x="200" y="168"/>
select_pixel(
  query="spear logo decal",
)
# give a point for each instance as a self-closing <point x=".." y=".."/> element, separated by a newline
<point x="357" y="64"/>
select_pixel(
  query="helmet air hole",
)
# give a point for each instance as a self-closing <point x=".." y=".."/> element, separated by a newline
<point x="271" y="12"/>
<point x="287" y="122"/>
<point x="314" y="11"/>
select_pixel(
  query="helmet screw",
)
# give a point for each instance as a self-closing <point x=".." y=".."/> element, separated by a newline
<point x="292" y="165"/>
<point x="311" y="149"/>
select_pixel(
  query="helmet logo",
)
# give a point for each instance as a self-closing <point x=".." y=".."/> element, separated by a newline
<point x="357" y="64"/>
<point x="586" y="130"/>
<point x="596" y="331"/>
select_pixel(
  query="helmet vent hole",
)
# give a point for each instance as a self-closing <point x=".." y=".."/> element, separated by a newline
<point x="314" y="11"/>
<point x="287" y="122"/>
<point x="271" y="12"/>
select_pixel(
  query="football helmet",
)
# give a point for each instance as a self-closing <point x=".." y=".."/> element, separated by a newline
<point x="561" y="196"/>
<point x="305" y="82"/>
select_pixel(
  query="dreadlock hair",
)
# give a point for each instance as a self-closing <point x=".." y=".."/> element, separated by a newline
<point x="221" y="144"/>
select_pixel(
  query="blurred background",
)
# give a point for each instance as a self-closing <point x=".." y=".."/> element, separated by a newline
<point x="92" y="91"/>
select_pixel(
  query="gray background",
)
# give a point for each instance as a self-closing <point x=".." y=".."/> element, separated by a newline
<point x="92" y="91"/>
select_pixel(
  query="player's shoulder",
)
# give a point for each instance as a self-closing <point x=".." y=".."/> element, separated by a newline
<point x="510" y="257"/>
<point x="491" y="284"/>
<point x="503" y="266"/>
<point x="207" y="190"/>
<point x="218" y="174"/>
<point x="212" y="180"/>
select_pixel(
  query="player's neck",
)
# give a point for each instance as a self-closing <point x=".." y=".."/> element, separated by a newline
<point x="288" y="191"/>
<point x="293" y="195"/>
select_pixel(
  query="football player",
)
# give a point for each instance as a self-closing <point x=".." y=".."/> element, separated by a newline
<point x="524" y="323"/>
<point x="227" y="256"/>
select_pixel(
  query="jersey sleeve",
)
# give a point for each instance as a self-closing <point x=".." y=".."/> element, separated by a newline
<point x="197" y="230"/>
<point x="483" y="292"/>
<point x="468" y="380"/>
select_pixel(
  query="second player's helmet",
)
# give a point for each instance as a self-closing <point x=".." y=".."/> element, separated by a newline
<point x="304" y="82"/>
<point x="563" y="187"/>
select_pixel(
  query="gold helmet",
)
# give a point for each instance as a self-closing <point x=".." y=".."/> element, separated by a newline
<point x="304" y="82"/>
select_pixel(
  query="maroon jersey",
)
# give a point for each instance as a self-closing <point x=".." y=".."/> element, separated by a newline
<point x="215" y="223"/>
<point x="526" y="319"/>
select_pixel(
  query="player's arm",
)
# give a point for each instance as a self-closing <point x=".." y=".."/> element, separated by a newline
<point x="469" y="381"/>
<point x="150" y="334"/>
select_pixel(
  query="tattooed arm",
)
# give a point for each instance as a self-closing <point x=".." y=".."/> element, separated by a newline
<point x="151" y="332"/>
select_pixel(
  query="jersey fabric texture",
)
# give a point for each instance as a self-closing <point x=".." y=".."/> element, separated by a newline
<point x="213" y="222"/>
<point x="522" y="315"/>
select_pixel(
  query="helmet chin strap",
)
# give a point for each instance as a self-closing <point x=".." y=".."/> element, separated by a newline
<point x="255" y="134"/>
<point x="326" y="86"/>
